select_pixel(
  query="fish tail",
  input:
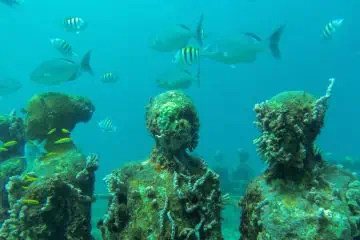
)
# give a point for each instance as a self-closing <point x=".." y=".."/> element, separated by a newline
<point x="198" y="75"/>
<point x="274" y="42"/>
<point x="85" y="63"/>
<point x="200" y="31"/>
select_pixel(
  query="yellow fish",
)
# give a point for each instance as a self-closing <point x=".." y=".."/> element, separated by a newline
<point x="50" y="154"/>
<point x="64" y="130"/>
<point x="51" y="131"/>
<point x="2" y="149"/>
<point x="24" y="187"/>
<point x="10" y="143"/>
<point x="28" y="178"/>
<point x="31" y="201"/>
<point x="63" y="140"/>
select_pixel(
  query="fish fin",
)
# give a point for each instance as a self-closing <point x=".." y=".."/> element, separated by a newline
<point x="253" y="35"/>
<point x="184" y="27"/>
<point x="200" y="31"/>
<point x="274" y="42"/>
<point x="85" y="63"/>
<point x="233" y="66"/>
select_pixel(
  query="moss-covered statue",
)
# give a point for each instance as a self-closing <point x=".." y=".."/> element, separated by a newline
<point x="172" y="195"/>
<point x="300" y="196"/>
<point x="52" y="198"/>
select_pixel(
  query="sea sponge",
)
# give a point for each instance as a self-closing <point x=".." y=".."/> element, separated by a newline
<point x="172" y="120"/>
<point x="53" y="110"/>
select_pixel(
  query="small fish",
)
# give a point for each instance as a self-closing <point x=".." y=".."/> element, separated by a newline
<point x="34" y="150"/>
<point x="9" y="86"/>
<point x="50" y="154"/>
<point x="64" y="130"/>
<point x="63" y="47"/>
<point x="25" y="188"/>
<point x="31" y="201"/>
<point x="109" y="77"/>
<point x="60" y="70"/>
<point x="12" y="3"/>
<point x="2" y="149"/>
<point x="51" y="131"/>
<point x="331" y="28"/>
<point x="10" y="144"/>
<point x="28" y="178"/>
<point x="187" y="56"/>
<point x="107" y="125"/>
<point x="63" y="140"/>
<point x="74" y="24"/>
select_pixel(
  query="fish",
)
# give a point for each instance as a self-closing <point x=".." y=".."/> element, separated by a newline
<point x="62" y="46"/>
<point x="175" y="78"/>
<point x="2" y="149"/>
<point x="9" y="86"/>
<point x="34" y="150"/>
<point x="30" y="201"/>
<point x="109" y="77"/>
<point x="178" y="36"/>
<point x="244" y="48"/>
<point x="51" y="131"/>
<point x="187" y="56"/>
<point x="63" y="140"/>
<point x="10" y="144"/>
<point x="12" y="3"/>
<point x="107" y="125"/>
<point x="61" y="70"/>
<point x="331" y="27"/>
<point x="64" y="130"/>
<point x="74" y="24"/>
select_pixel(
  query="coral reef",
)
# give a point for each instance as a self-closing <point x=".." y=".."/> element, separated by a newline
<point x="52" y="198"/>
<point x="55" y="111"/>
<point x="300" y="196"/>
<point x="172" y="195"/>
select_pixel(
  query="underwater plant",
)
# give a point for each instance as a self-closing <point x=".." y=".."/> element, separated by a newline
<point x="172" y="195"/>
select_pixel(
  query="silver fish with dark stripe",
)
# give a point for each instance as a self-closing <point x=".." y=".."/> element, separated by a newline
<point x="107" y="125"/>
<point x="74" y="24"/>
<point x="62" y="46"/>
<point x="331" y="28"/>
<point x="109" y="77"/>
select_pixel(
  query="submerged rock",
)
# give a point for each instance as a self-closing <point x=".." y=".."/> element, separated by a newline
<point x="172" y="195"/>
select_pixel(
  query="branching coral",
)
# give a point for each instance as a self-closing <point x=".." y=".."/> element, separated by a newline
<point x="290" y="123"/>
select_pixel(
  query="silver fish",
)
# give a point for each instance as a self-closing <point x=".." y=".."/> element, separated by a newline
<point x="34" y="150"/>
<point x="12" y="3"/>
<point x="9" y="86"/>
<point x="178" y="36"/>
<point x="244" y="48"/>
<point x="60" y="70"/>
<point x="107" y="125"/>
<point x="62" y="46"/>
<point x="74" y="24"/>
<point x="176" y="78"/>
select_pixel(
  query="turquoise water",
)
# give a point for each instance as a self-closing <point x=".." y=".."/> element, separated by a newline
<point x="119" y="32"/>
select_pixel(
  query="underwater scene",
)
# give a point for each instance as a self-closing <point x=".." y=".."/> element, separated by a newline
<point x="179" y="120"/>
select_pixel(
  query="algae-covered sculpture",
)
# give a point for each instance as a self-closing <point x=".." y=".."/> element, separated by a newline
<point x="52" y="198"/>
<point x="172" y="195"/>
<point x="300" y="196"/>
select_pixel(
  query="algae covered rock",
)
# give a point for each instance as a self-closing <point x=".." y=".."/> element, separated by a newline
<point x="52" y="198"/>
<point x="172" y="195"/>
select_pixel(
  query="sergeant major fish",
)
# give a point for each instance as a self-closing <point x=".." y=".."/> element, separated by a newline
<point x="177" y="37"/>
<point x="244" y="48"/>
<point x="60" y="70"/>
<point x="74" y="24"/>
<point x="109" y="77"/>
<point x="62" y="46"/>
<point x="107" y="125"/>
<point x="331" y="27"/>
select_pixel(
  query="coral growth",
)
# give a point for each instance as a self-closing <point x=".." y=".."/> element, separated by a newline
<point x="289" y="124"/>
<point x="172" y="195"/>
<point x="57" y="111"/>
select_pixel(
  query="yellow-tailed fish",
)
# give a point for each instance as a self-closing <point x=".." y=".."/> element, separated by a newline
<point x="31" y="201"/>
<point x="23" y="187"/>
<point x="2" y="149"/>
<point x="51" y="131"/>
<point x="28" y="178"/>
<point x="63" y="140"/>
<point x="50" y="154"/>
<point x="10" y="143"/>
<point x="64" y="130"/>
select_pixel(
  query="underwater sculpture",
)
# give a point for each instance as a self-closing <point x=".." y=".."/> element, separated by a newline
<point x="172" y="195"/>
<point x="52" y="198"/>
<point x="300" y="196"/>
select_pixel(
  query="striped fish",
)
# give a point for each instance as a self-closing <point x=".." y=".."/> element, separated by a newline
<point x="109" y="77"/>
<point x="187" y="56"/>
<point x="62" y="46"/>
<point x="107" y="125"/>
<point x="331" y="28"/>
<point x="74" y="24"/>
